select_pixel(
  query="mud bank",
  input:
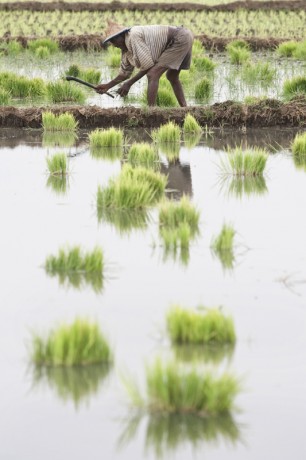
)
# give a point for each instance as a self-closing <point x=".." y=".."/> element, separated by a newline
<point x="119" y="6"/>
<point x="268" y="113"/>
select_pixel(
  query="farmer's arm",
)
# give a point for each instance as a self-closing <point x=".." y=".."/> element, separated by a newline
<point x="124" y="89"/>
<point x="126" y="70"/>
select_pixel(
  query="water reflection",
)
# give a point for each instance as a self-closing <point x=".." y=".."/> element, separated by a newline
<point x="124" y="220"/>
<point x="171" y="150"/>
<point x="209" y="354"/>
<point x="226" y="257"/>
<point x="59" y="139"/>
<point x="192" y="140"/>
<point x="77" y="384"/>
<point x="240" y="187"/>
<point x="300" y="161"/>
<point x="179" y="179"/>
<point x="165" y="433"/>
<point x="59" y="184"/>
<point x="107" y="153"/>
<point x="79" y="279"/>
<point x="176" y="253"/>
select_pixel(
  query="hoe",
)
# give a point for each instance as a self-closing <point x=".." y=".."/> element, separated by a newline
<point x="78" y="80"/>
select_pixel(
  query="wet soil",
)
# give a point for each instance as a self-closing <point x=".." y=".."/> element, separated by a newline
<point x="118" y="6"/>
<point x="267" y="113"/>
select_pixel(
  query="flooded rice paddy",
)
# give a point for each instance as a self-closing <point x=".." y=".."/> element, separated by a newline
<point x="76" y="413"/>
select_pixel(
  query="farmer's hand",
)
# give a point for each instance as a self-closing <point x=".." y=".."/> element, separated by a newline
<point x="101" y="89"/>
<point x="124" y="89"/>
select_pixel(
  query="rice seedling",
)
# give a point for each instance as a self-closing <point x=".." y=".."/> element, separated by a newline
<point x="37" y="88"/>
<point x="20" y="86"/>
<point x="222" y="246"/>
<point x="13" y="48"/>
<point x="75" y="383"/>
<point x="238" y="55"/>
<point x="63" y="91"/>
<point x="111" y="137"/>
<point x="74" y="266"/>
<point x="74" y="70"/>
<point x="197" y="47"/>
<point x="134" y="188"/>
<point x="196" y="327"/>
<point x="93" y="76"/>
<point x="166" y="98"/>
<point x="191" y="126"/>
<point x="259" y="72"/>
<point x="58" y="184"/>
<point x="171" y="150"/>
<point x="58" y="164"/>
<point x="171" y="388"/>
<point x="299" y="145"/>
<point x="174" y="214"/>
<point x="169" y="132"/>
<point x="5" y="97"/>
<point x="63" y="122"/>
<point x="294" y="88"/>
<point x="286" y="49"/>
<point x="204" y="64"/>
<point x="239" y="43"/>
<point x="113" y="58"/>
<point x="203" y="89"/>
<point x="42" y="52"/>
<point x="300" y="51"/>
<point x="78" y="344"/>
<point x="59" y="139"/>
<point x="250" y="162"/>
<point x="166" y="434"/>
<point x="47" y="43"/>
<point x="124" y="220"/>
<point x="142" y="154"/>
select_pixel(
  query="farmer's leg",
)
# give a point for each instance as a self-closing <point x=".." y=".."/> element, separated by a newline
<point x="173" y="77"/>
<point x="153" y="76"/>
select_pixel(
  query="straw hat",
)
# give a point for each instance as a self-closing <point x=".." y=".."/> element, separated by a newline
<point x="113" y="30"/>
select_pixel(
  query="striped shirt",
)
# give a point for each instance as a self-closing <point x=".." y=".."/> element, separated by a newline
<point x="145" y="44"/>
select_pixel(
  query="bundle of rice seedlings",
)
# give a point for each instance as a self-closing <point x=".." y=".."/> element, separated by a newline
<point x="62" y="122"/>
<point x="299" y="145"/>
<point x="197" y="48"/>
<point x="78" y="344"/>
<point x="58" y="164"/>
<point x="286" y="49"/>
<point x="300" y="51"/>
<point x="20" y="86"/>
<point x="134" y="188"/>
<point x="47" y="43"/>
<point x="110" y="137"/>
<point x="113" y="57"/>
<point x="294" y="88"/>
<point x="169" y="132"/>
<point x="74" y="70"/>
<point x="250" y="162"/>
<point x="37" y="88"/>
<point x="239" y="43"/>
<point x="166" y="98"/>
<point x="204" y="64"/>
<point x="13" y="48"/>
<point x="191" y="126"/>
<point x="238" y="55"/>
<point x="93" y="76"/>
<point x="63" y="91"/>
<point x="172" y="388"/>
<point x="259" y="72"/>
<point x="222" y="245"/>
<point x="142" y="154"/>
<point x="211" y="326"/>
<point x="203" y="89"/>
<point x="5" y="97"/>
<point x="42" y="52"/>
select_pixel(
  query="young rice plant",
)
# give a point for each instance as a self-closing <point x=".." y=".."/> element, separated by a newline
<point x="57" y="164"/>
<point x="63" y="122"/>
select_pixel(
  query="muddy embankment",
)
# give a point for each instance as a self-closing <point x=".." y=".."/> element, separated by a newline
<point x="94" y="42"/>
<point x="119" y="6"/>
<point x="267" y="113"/>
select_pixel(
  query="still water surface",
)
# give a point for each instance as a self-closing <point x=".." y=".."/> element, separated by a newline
<point x="85" y="413"/>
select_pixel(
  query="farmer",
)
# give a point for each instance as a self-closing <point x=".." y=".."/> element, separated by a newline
<point x="153" y="50"/>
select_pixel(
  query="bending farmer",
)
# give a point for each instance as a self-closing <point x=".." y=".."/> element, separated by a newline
<point x="154" y="50"/>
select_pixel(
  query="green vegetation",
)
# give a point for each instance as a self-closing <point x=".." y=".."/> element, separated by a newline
<point x="22" y="87"/>
<point x="203" y="89"/>
<point x="63" y="122"/>
<point x="240" y="44"/>
<point x="13" y="48"/>
<point x="45" y="43"/>
<point x="287" y="49"/>
<point x="91" y="75"/>
<point x="240" y="186"/>
<point x="191" y="126"/>
<point x="222" y="246"/>
<point x="204" y="64"/>
<point x="78" y="344"/>
<point x="57" y="164"/>
<point x="211" y="353"/>
<point x="250" y="162"/>
<point x="166" y="98"/>
<point x="111" y="137"/>
<point x="171" y="388"/>
<point x="197" y="48"/>
<point x="142" y="154"/>
<point x="168" y="133"/>
<point x="113" y="58"/>
<point x="59" y="184"/>
<point x="124" y="220"/>
<point x="42" y="52"/>
<point x="258" y="73"/>
<point x="195" y="327"/>
<point x="300" y="51"/>
<point x="74" y="266"/>
<point x="294" y="88"/>
<point x="63" y="91"/>
<point x="5" y="97"/>
<point x="299" y="145"/>
<point x="238" y="55"/>
<point x="134" y="188"/>
<point x="58" y="139"/>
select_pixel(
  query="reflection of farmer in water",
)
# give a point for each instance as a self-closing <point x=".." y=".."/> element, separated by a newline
<point x="154" y="50"/>
<point x="179" y="178"/>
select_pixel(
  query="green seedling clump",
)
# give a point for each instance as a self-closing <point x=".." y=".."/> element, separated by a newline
<point x="78" y="344"/>
<point x="57" y="164"/>
<point x="113" y="58"/>
<point x="197" y="48"/>
<point x="300" y="51"/>
<point x="191" y="126"/>
<point x="240" y="44"/>
<point x="222" y="245"/>
<point x="74" y="70"/>
<point x="166" y="98"/>
<point x="259" y="72"/>
<point x="172" y="388"/>
<point x="47" y="43"/>
<point x="203" y="89"/>
<point x="294" y="88"/>
<point x="74" y="260"/>
<point x="250" y="162"/>
<point x="13" y="48"/>
<point x="134" y="188"/>
<point x="204" y="64"/>
<point x="238" y="55"/>
<point x="111" y="137"/>
<point x="63" y="122"/>
<point x="299" y="145"/>
<point x="5" y="97"/>
<point x="91" y="75"/>
<point x="142" y="154"/>
<point x="167" y="133"/>
<point x="63" y="91"/>
<point x="287" y="49"/>
<point x="21" y="87"/>
<point x="42" y="52"/>
<point x="191" y="327"/>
